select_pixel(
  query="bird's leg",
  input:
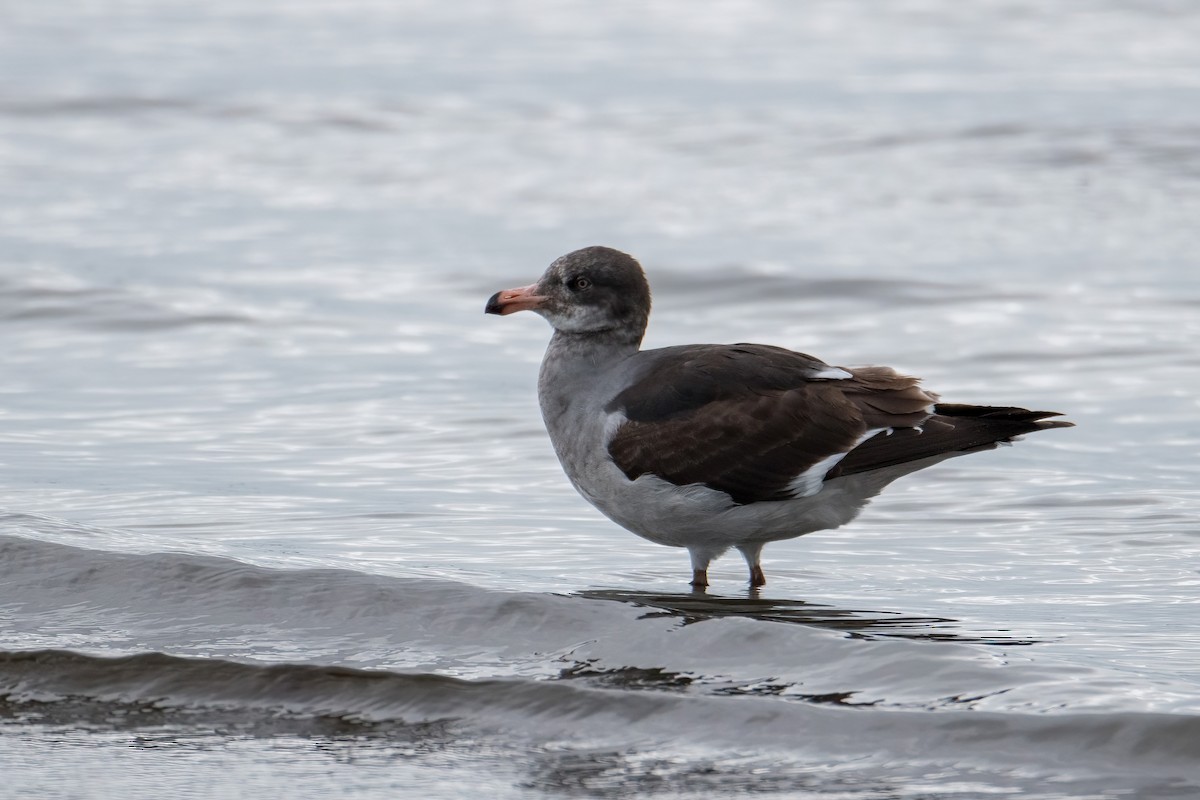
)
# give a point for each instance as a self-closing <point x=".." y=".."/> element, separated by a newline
<point x="701" y="558"/>
<point x="751" y="552"/>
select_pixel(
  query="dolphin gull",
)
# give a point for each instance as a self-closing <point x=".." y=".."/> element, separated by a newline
<point x="712" y="446"/>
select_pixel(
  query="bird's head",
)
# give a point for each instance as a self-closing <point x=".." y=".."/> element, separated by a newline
<point x="592" y="290"/>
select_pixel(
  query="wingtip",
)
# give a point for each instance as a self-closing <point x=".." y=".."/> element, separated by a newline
<point x="1011" y="413"/>
<point x="1044" y="423"/>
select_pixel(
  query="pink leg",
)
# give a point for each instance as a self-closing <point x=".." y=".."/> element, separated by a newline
<point x="751" y="552"/>
<point x="701" y="558"/>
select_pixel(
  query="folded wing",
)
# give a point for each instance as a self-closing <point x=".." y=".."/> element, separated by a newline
<point x="759" y="423"/>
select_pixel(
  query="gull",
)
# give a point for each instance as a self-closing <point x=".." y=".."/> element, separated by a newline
<point x="713" y="446"/>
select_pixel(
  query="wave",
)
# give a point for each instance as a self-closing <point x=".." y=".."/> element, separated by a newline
<point x="110" y="310"/>
<point x="64" y="597"/>
<point x="126" y="641"/>
<point x="307" y="698"/>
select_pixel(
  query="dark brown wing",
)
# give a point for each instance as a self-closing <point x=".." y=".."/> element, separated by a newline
<point x="749" y="420"/>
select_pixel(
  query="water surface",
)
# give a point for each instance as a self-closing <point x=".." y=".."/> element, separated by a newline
<point x="279" y="517"/>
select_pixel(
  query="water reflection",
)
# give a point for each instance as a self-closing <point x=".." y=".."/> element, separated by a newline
<point x="694" y="607"/>
<point x="644" y="772"/>
<point x="659" y="679"/>
<point x="162" y="724"/>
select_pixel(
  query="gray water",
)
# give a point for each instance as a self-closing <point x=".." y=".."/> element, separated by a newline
<point x="279" y="517"/>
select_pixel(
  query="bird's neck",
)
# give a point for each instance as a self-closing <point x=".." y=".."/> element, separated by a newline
<point x="575" y="363"/>
<point x="590" y="352"/>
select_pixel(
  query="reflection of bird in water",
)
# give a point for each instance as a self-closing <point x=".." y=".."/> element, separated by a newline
<point x="716" y="446"/>
<point x="694" y="607"/>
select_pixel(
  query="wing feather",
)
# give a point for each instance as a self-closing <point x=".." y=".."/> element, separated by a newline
<point x="747" y="420"/>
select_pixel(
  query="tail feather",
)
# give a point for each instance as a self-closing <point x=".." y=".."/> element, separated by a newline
<point x="952" y="429"/>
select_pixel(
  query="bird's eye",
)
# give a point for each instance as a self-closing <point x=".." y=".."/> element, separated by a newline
<point x="578" y="284"/>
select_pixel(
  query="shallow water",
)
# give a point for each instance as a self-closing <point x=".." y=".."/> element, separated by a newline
<point x="279" y="516"/>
